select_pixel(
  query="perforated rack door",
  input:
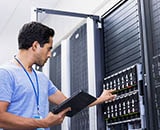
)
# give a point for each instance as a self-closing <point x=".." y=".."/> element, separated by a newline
<point x="127" y="110"/>
<point x="55" y="75"/>
<point x="122" y="37"/>
<point x="79" y="74"/>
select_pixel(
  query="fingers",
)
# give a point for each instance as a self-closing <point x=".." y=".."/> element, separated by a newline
<point x="111" y="94"/>
<point x="63" y="113"/>
<point x="113" y="97"/>
<point x="111" y="90"/>
<point x="55" y="119"/>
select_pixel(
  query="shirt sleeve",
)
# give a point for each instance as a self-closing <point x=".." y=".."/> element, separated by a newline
<point x="52" y="88"/>
<point x="6" y="84"/>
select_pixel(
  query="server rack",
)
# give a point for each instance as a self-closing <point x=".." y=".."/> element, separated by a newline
<point x="123" y="66"/>
<point x="151" y="13"/>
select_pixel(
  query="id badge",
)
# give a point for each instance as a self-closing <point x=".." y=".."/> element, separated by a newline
<point x="38" y="117"/>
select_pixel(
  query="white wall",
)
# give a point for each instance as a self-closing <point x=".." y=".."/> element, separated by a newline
<point x="9" y="26"/>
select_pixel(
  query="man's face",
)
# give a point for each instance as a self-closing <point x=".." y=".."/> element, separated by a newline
<point x="44" y="53"/>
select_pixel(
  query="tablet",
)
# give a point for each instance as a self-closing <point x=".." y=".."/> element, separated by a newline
<point x="77" y="102"/>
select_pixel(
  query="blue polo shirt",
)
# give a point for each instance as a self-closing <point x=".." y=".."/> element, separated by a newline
<point x="16" y="88"/>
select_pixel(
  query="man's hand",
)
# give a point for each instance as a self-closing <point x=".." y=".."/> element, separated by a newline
<point x="55" y="119"/>
<point x="105" y="96"/>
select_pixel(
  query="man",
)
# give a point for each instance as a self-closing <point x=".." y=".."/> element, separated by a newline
<point x="24" y="92"/>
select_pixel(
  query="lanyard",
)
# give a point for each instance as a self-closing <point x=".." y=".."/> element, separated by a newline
<point x="36" y="93"/>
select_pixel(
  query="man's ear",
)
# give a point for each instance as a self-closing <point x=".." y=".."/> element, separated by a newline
<point x="35" y="45"/>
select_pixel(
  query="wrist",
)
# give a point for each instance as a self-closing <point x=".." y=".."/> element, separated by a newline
<point x="99" y="100"/>
<point x="42" y="123"/>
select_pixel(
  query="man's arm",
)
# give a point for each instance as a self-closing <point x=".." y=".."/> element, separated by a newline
<point x="11" y="121"/>
<point x="57" y="98"/>
<point x="105" y="96"/>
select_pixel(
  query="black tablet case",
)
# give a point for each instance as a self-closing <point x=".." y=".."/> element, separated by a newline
<point x="77" y="102"/>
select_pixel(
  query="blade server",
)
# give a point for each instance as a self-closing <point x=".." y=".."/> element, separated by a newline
<point x="127" y="111"/>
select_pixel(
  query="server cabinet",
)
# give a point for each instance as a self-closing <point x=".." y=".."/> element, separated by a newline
<point x="151" y="21"/>
<point x="123" y="66"/>
<point x="79" y="45"/>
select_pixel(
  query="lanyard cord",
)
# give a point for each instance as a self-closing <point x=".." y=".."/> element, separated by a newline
<point x="36" y="93"/>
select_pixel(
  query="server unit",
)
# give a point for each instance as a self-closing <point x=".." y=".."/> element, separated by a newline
<point x="127" y="110"/>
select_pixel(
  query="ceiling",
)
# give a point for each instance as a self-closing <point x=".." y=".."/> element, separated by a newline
<point x="14" y="14"/>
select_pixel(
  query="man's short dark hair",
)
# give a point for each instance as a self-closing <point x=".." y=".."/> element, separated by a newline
<point x="34" y="31"/>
